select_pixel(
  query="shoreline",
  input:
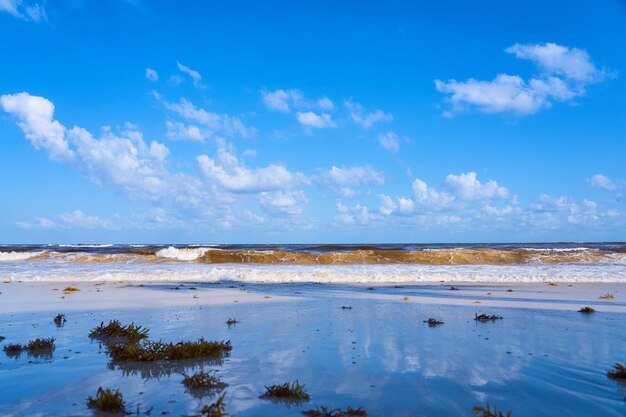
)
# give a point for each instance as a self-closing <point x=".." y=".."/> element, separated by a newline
<point x="103" y="295"/>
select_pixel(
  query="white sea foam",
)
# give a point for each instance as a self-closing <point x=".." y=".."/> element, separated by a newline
<point x="345" y="274"/>
<point x="182" y="254"/>
<point x="18" y="256"/>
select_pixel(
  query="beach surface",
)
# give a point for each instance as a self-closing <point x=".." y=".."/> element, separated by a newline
<point x="544" y="358"/>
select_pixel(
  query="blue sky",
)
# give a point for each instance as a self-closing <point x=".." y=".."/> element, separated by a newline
<point x="162" y="121"/>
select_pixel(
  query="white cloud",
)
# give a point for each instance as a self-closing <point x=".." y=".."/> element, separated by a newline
<point x="282" y="100"/>
<point x="426" y="196"/>
<point x="358" y="215"/>
<point x="24" y="9"/>
<point x="287" y="100"/>
<point x="570" y="63"/>
<point x="175" y="80"/>
<point x="230" y="174"/>
<point x="325" y="103"/>
<point x="78" y="219"/>
<point x="467" y="187"/>
<point x="315" y="120"/>
<point x="602" y="181"/>
<point x="125" y="161"/>
<point x="195" y="75"/>
<point x="39" y="223"/>
<point x="35" y="118"/>
<point x="285" y="202"/>
<point x="564" y="75"/>
<point x="363" y="119"/>
<point x="152" y="75"/>
<point x="351" y="177"/>
<point x="213" y="122"/>
<point x="389" y="141"/>
<point x="181" y="131"/>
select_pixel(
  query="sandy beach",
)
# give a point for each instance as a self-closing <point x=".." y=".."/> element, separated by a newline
<point x="543" y="358"/>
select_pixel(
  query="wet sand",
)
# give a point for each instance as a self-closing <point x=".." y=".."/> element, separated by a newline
<point x="543" y="358"/>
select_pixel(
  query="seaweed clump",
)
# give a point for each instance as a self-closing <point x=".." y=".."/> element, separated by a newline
<point x="107" y="401"/>
<point x="41" y="344"/>
<point x="607" y="296"/>
<point x="203" y="380"/>
<point x="587" y="310"/>
<point x="327" y="412"/>
<point x="433" y="322"/>
<point x="154" y="351"/>
<point x="68" y="290"/>
<point x="217" y="409"/>
<point x="13" y="350"/>
<point x="230" y="321"/>
<point x="487" y="317"/>
<point x="60" y="320"/>
<point x="115" y="330"/>
<point x="618" y="372"/>
<point x="486" y="412"/>
<point x="286" y="391"/>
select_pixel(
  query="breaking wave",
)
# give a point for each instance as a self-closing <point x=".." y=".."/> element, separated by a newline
<point x="333" y="255"/>
<point x="19" y="256"/>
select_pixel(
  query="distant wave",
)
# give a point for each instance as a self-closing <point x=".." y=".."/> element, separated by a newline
<point x="19" y="256"/>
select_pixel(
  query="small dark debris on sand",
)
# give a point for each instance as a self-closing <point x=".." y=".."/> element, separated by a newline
<point x="607" y="296"/>
<point x="232" y="321"/>
<point x="346" y="307"/>
<point x="587" y="310"/>
<point x="453" y="288"/>
<point x="487" y="317"/>
<point x="370" y="288"/>
<point x="60" y="320"/>
<point x="328" y="412"/>
<point x="433" y="322"/>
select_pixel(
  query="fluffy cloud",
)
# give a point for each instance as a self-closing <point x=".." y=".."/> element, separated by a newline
<point x="602" y="181"/>
<point x="287" y="100"/>
<point x="212" y="123"/>
<point x="282" y="100"/>
<point x="195" y="75"/>
<point x="564" y="74"/>
<point x="351" y="176"/>
<point x="123" y="160"/>
<point x="310" y="119"/>
<point x="24" y="9"/>
<point x="35" y="117"/>
<point x="467" y="187"/>
<point x="364" y="119"/>
<point x="283" y="202"/>
<point x="152" y="75"/>
<point x="426" y="196"/>
<point x="182" y="131"/>
<point x="230" y="174"/>
<point x="356" y="215"/>
<point x="570" y="63"/>
<point x="389" y="141"/>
